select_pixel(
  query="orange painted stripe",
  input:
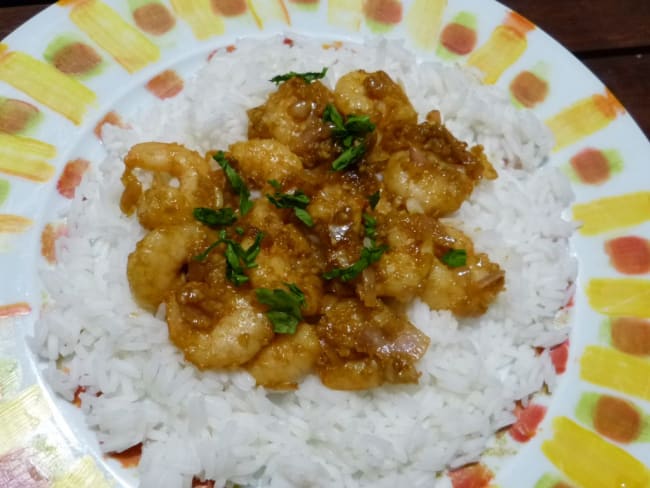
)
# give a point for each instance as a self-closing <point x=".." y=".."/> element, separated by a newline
<point x="15" y="310"/>
<point x="611" y="213"/>
<point x="14" y="224"/>
<point x="45" y="83"/>
<point x="201" y="17"/>
<point x="128" y="46"/>
<point x="26" y="157"/>
<point x="624" y="297"/>
<point x="589" y="461"/>
<point x="616" y="370"/>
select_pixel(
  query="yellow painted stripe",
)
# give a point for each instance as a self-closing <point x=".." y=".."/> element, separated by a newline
<point x="201" y="17"/>
<point x="502" y="49"/>
<point x="46" y="84"/>
<point x="20" y="417"/>
<point x="266" y="10"/>
<point x="14" y="224"/>
<point x="128" y="46"/>
<point x="616" y="370"/>
<point x="26" y="157"/>
<point x="584" y="118"/>
<point x="84" y="472"/>
<point x="423" y="22"/>
<point x="612" y="212"/>
<point x="347" y="14"/>
<point x="625" y="297"/>
<point x="589" y="461"/>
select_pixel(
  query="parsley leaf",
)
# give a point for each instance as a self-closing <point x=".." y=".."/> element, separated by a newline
<point x="275" y="184"/>
<point x="455" y="258"/>
<point x="304" y="216"/>
<point x="237" y="258"/>
<point x="331" y="115"/>
<point x="236" y="182"/>
<point x="374" y="199"/>
<point x="284" y="307"/>
<point x="349" y="157"/>
<point x="307" y="77"/>
<point x="369" y="255"/>
<point x="351" y="134"/>
<point x="370" y="226"/>
<point x="297" y="200"/>
<point x="215" y="218"/>
<point x="359" y="125"/>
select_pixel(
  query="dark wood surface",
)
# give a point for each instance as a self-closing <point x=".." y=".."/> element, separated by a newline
<point x="612" y="37"/>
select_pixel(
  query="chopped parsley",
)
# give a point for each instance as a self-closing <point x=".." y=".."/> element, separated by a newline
<point x="374" y="199"/>
<point x="370" y="226"/>
<point x="369" y="254"/>
<point x="455" y="258"/>
<point x="350" y="133"/>
<point x="236" y="182"/>
<point x="284" y="307"/>
<point x="237" y="258"/>
<point x="348" y="157"/>
<point x="215" y="218"/>
<point x="308" y="77"/>
<point x="297" y="200"/>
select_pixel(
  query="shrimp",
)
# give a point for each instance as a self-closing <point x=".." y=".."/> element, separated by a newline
<point x="363" y="347"/>
<point x="261" y="160"/>
<point x="163" y="203"/>
<point x="287" y="359"/>
<point x="429" y="171"/>
<point x="337" y="209"/>
<point x="293" y="115"/>
<point x="216" y="327"/>
<point x="155" y="265"/>
<point x="376" y="95"/>
<point x="404" y="267"/>
<point x="288" y="256"/>
<point x="466" y="290"/>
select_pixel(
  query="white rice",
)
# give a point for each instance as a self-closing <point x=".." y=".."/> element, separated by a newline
<point x="218" y="425"/>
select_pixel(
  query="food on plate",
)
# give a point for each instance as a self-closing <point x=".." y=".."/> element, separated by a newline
<point x="288" y="300"/>
<point x="351" y="191"/>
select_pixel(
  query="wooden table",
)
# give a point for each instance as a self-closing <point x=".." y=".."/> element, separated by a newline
<point x="612" y="37"/>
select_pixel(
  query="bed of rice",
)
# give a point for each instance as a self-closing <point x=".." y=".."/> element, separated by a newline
<point x="219" y="426"/>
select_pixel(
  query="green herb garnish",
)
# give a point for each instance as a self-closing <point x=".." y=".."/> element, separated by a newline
<point x="369" y="255"/>
<point x="455" y="258"/>
<point x="236" y="182"/>
<point x="284" y="307"/>
<point x="374" y="199"/>
<point x="297" y="200"/>
<point x="370" y="226"/>
<point x="349" y="157"/>
<point x="308" y="77"/>
<point x="215" y="218"/>
<point x="237" y="258"/>
<point x="351" y="134"/>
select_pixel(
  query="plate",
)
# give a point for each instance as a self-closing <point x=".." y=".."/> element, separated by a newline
<point x="68" y="71"/>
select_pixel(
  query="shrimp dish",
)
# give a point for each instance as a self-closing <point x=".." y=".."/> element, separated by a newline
<point x="318" y="264"/>
<point x="315" y="274"/>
